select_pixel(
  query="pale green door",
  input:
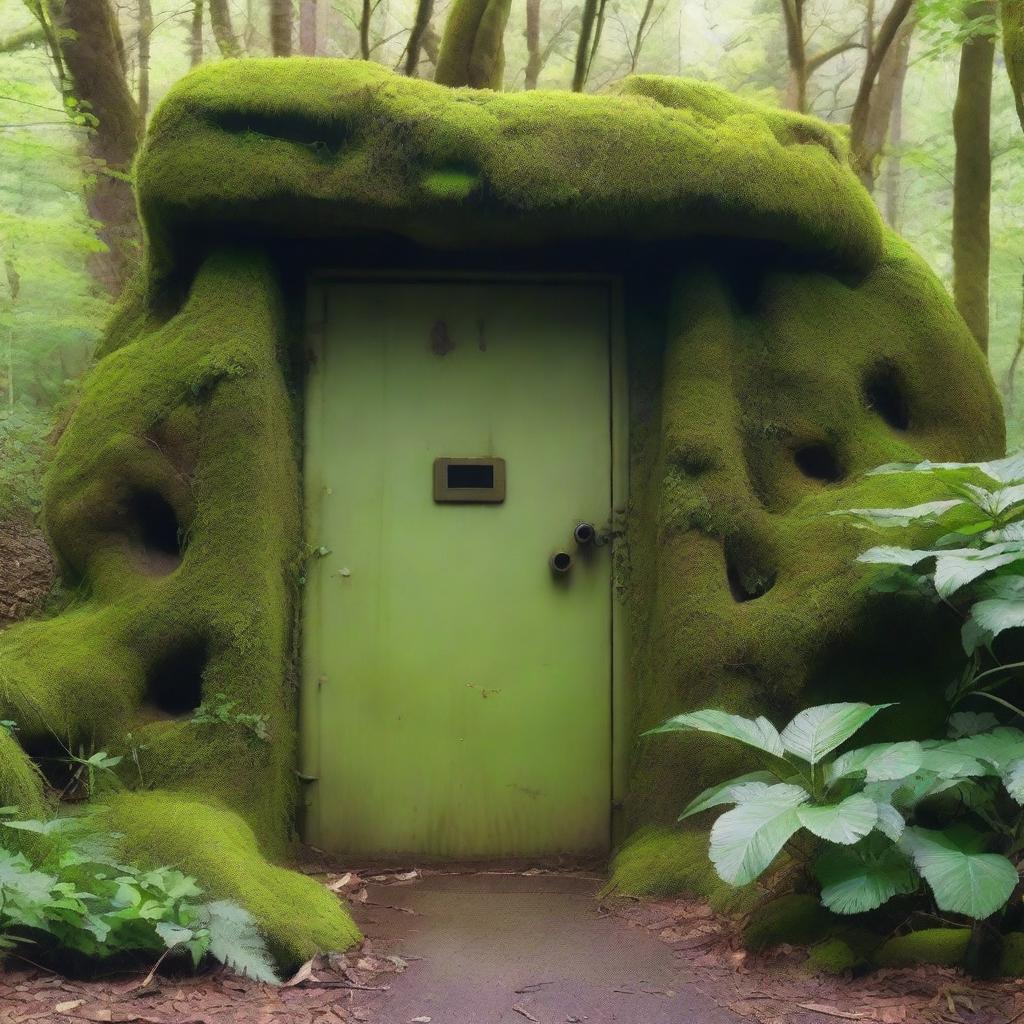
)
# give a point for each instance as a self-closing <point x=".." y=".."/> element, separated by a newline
<point x="457" y="693"/>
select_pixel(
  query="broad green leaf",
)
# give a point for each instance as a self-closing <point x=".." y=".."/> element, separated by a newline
<point x="817" y="731"/>
<point x="970" y="723"/>
<point x="963" y="879"/>
<point x="996" y="614"/>
<point x="1013" y="779"/>
<point x="716" y="796"/>
<point x="1006" y="470"/>
<point x="995" y="503"/>
<point x="929" y="511"/>
<point x="890" y="821"/>
<point x="879" y="762"/>
<point x="860" y="878"/>
<point x="998" y="747"/>
<point x="45" y="828"/>
<point x="1013" y="531"/>
<point x="890" y="555"/>
<point x="846" y="822"/>
<point x="949" y="761"/>
<point x="745" y="840"/>
<point x="755" y="732"/>
<point x="173" y="934"/>
<point x="955" y="569"/>
<point x="973" y="637"/>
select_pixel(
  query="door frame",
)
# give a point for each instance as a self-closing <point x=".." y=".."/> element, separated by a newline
<point x="314" y="329"/>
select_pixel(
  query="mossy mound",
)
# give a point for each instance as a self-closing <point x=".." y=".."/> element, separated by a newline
<point x="943" y="947"/>
<point x="658" y="862"/>
<point x="780" y="344"/>
<point x="833" y="956"/>
<point x="1011" y="961"/>
<point x="339" y="148"/>
<point x="796" y="918"/>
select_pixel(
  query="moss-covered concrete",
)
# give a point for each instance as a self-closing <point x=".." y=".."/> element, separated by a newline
<point x="780" y="344"/>
<point x="944" y="947"/>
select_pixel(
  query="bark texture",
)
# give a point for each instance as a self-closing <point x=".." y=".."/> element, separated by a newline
<point x="223" y="33"/>
<point x="972" y="180"/>
<point x="281" y="27"/>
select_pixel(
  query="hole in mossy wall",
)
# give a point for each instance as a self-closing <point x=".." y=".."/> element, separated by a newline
<point x="174" y="683"/>
<point x="152" y="524"/>
<point x="748" y="580"/>
<point x="51" y="756"/>
<point x="885" y="395"/>
<point x="818" y="462"/>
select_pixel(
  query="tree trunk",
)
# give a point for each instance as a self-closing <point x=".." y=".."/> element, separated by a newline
<point x="894" y="160"/>
<point x="1013" y="49"/>
<point x="472" y="49"/>
<point x="582" y="67"/>
<point x="281" y="28"/>
<point x="143" y="33"/>
<point x="533" y="62"/>
<point x="644" y="19"/>
<point x="883" y="41"/>
<point x="796" y="90"/>
<point x="195" y="35"/>
<point x="88" y="54"/>
<point x="431" y="43"/>
<point x="223" y="33"/>
<point x="421" y="22"/>
<point x="972" y="178"/>
<point x="892" y="72"/>
<point x="364" y="30"/>
<point x="307" y="27"/>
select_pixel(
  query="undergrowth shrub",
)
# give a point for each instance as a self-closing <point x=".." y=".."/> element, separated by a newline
<point x="71" y="894"/>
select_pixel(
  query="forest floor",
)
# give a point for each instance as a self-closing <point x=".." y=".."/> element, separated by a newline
<point x="513" y="947"/>
<point x="27" y="570"/>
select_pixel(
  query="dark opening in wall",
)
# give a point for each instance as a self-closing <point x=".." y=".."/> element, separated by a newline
<point x="886" y="396"/>
<point x="174" y="683"/>
<point x="818" y="462"/>
<point x="747" y="579"/>
<point x="153" y="524"/>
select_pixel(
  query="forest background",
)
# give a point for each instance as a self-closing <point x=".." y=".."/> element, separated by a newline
<point x="921" y="85"/>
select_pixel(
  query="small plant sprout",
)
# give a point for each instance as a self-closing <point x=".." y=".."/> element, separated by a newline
<point x="858" y="806"/>
<point x="218" y="710"/>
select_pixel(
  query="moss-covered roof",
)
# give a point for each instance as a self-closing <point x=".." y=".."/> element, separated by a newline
<point x="333" y="147"/>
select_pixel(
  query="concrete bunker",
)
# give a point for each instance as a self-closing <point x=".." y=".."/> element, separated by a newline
<point x="766" y="342"/>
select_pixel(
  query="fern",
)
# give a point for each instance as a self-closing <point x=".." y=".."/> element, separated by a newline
<point x="235" y="940"/>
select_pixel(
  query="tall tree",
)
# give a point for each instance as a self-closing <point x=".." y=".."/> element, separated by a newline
<point x="591" y="27"/>
<point x="143" y="31"/>
<point x="195" y="35"/>
<point x="308" y="27"/>
<point x="223" y="33"/>
<point x="472" y="47"/>
<point x="88" y="56"/>
<point x="972" y="176"/>
<point x="894" y="159"/>
<point x="872" y="108"/>
<point x="1013" y="49"/>
<point x="802" y="65"/>
<point x="533" y="64"/>
<point x="281" y="27"/>
<point x="421" y="22"/>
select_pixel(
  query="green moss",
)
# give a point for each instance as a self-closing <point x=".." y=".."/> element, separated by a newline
<point x="660" y="862"/>
<point x="343" y="146"/>
<point x="766" y="311"/>
<point x="833" y="956"/>
<point x="796" y="918"/>
<point x="943" y="947"/>
<point x="1011" y="962"/>
<point x="299" y="915"/>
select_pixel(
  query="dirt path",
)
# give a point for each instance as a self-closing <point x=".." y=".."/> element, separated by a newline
<point x="513" y="947"/>
<point x="508" y="949"/>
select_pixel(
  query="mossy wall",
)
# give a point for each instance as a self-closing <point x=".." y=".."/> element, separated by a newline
<point x="781" y="343"/>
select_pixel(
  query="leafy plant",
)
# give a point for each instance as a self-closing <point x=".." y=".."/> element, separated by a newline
<point x="78" y="897"/>
<point x="220" y="711"/>
<point x="974" y="562"/>
<point x="860" y="804"/>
